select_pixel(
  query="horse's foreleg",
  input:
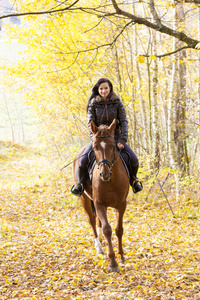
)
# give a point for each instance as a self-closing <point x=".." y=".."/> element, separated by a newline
<point x="107" y="231"/>
<point x="99" y="229"/>
<point x="119" y="229"/>
<point x="86" y="202"/>
<point x="98" y="241"/>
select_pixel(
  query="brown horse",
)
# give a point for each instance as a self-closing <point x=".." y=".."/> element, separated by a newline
<point x="110" y="186"/>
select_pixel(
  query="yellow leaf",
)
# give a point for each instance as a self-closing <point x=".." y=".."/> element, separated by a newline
<point x="144" y="291"/>
<point x="141" y="59"/>
<point x="165" y="58"/>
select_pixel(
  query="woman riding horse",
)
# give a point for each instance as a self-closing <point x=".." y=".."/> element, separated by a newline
<point x="103" y="107"/>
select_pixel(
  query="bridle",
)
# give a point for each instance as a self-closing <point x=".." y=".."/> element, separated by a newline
<point x="107" y="161"/>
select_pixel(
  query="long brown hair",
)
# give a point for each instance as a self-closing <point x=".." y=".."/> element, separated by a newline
<point x="95" y="89"/>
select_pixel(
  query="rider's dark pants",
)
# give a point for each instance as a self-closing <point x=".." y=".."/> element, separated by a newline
<point x="84" y="159"/>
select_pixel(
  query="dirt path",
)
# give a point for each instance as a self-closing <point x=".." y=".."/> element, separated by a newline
<point x="47" y="250"/>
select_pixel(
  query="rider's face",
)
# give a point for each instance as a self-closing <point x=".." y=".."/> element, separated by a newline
<point x="104" y="90"/>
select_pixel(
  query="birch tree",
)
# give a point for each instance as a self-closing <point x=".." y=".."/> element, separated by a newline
<point x="180" y="106"/>
<point x="155" y="119"/>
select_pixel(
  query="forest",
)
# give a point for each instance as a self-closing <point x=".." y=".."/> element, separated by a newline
<point x="150" y="52"/>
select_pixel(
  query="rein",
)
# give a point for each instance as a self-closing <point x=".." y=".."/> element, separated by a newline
<point x="105" y="136"/>
<point x="72" y="162"/>
<point x="103" y="161"/>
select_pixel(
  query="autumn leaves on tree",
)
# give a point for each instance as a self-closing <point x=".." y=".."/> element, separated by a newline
<point x="148" y="49"/>
<point x="150" y="52"/>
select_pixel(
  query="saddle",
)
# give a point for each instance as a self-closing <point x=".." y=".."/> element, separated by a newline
<point x="125" y="157"/>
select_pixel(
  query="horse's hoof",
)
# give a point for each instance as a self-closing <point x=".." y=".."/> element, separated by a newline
<point x="100" y="252"/>
<point x="122" y="263"/>
<point x="113" y="269"/>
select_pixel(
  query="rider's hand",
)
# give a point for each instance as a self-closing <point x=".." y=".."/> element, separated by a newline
<point x="120" y="146"/>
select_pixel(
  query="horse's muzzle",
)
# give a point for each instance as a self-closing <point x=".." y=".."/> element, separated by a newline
<point x="105" y="173"/>
<point x="105" y="176"/>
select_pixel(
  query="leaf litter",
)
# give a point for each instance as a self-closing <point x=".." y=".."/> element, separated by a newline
<point x="47" y="247"/>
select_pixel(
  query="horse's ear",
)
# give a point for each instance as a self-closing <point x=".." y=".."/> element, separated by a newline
<point x="112" y="126"/>
<point x="93" y="127"/>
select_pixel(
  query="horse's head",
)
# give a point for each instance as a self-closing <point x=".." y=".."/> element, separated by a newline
<point x="104" y="148"/>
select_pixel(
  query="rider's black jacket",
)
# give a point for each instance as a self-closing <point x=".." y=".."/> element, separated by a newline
<point x="104" y="112"/>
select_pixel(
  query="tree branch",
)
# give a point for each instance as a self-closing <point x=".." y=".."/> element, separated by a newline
<point x="51" y="11"/>
<point x="191" y="1"/>
<point x="118" y="12"/>
<point x="154" y="13"/>
<point x="192" y="43"/>
<point x="111" y="44"/>
<point x="167" y="54"/>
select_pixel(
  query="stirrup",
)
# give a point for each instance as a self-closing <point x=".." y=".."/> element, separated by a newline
<point x="137" y="186"/>
<point x="76" y="191"/>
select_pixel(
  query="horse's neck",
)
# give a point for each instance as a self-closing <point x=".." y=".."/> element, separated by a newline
<point x="118" y="169"/>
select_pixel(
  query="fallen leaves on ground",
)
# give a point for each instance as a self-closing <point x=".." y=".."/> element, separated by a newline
<point x="47" y="247"/>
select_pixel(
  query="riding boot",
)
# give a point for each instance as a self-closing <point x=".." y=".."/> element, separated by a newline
<point x="135" y="183"/>
<point x="78" y="189"/>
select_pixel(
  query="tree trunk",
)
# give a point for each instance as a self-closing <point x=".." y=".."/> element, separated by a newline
<point x="131" y="110"/>
<point x="9" y="118"/>
<point x="156" y="136"/>
<point x="198" y="129"/>
<point x="180" y="133"/>
<point x="150" y="106"/>
<point x="117" y="67"/>
<point x="142" y="101"/>
<point x="171" y="117"/>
